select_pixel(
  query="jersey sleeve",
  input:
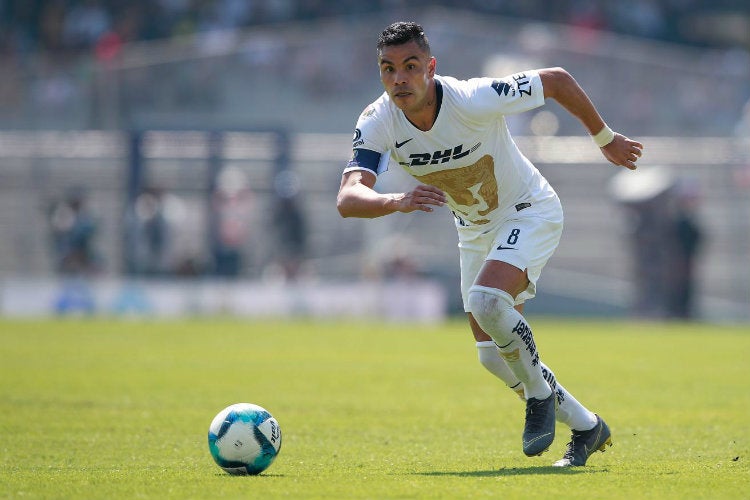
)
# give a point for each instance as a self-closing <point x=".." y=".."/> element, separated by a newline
<point x="370" y="150"/>
<point x="509" y="95"/>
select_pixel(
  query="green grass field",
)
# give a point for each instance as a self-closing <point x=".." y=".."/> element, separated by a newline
<point x="120" y="409"/>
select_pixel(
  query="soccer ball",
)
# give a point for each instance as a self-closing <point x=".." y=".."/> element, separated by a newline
<point x="244" y="439"/>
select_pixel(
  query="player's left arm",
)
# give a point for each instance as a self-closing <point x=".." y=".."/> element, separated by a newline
<point x="559" y="85"/>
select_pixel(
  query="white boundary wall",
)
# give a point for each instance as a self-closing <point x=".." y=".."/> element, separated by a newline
<point x="416" y="300"/>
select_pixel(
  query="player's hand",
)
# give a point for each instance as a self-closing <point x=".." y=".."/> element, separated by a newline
<point x="623" y="151"/>
<point x="422" y="197"/>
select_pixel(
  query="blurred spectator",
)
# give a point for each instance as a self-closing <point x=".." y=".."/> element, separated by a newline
<point x="108" y="46"/>
<point x="644" y="197"/>
<point x="665" y="237"/>
<point x="49" y="30"/>
<point x="73" y="231"/>
<point x="742" y="129"/>
<point x="640" y="17"/>
<point x="587" y="14"/>
<point x="231" y="209"/>
<point x="149" y="235"/>
<point x="84" y="23"/>
<point x="290" y="225"/>
<point x="687" y="238"/>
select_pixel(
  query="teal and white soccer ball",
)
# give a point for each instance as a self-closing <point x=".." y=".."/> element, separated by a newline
<point x="244" y="439"/>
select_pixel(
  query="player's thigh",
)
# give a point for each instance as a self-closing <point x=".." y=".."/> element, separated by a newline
<point x="503" y="276"/>
<point x="520" y="250"/>
<point x="472" y="255"/>
<point x="480" y="266"/>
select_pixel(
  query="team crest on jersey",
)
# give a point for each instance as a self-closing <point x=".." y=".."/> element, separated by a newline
<point x="472" y="190"/>
<point x="357" y="139"/>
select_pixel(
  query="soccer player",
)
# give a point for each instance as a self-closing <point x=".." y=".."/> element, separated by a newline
<point x="451" y="136"/>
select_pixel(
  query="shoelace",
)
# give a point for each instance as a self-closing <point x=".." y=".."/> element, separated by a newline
<point x="570" y="450"/>
<point x="533" y="417"/>
<point x="574" y="439"/>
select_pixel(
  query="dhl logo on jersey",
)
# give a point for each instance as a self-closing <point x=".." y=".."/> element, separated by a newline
<point x="441" y="156"/>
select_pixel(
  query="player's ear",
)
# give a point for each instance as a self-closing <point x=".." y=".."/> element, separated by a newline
<point x="431" y="66"/>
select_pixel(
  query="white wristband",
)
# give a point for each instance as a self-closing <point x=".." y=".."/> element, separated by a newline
<point x="604" y="137"/>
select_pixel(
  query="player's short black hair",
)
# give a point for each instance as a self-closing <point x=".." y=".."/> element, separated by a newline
<point x="404" y="32"/>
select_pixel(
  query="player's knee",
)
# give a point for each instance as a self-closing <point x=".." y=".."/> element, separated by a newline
<point x="489" y="305"/>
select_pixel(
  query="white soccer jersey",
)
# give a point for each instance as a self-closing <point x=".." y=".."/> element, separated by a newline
<point x="468" y="153"/>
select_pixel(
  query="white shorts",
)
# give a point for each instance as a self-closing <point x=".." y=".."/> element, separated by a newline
<point x="527" y="242"/>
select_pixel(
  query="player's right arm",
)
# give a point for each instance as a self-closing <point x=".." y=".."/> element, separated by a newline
<point x="357" y="198"/>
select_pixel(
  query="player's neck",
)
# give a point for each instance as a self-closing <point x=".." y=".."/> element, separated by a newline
<point x="424" y="117"/>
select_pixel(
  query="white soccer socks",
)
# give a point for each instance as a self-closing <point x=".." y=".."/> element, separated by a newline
<point x="494" y="311"/>
<point x="489" y="357"/>
<point x="569" y="411"/>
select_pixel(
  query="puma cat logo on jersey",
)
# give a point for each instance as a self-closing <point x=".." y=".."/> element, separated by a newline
<point x="421" y="159"/>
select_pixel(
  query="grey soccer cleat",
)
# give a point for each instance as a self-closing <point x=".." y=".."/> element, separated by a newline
<point x="584" y="443"/>
<point x="539" y="431"/>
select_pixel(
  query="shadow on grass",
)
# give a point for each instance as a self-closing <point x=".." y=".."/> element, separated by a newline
<point x="246" y="476"/>
<point x="510" y="471"/>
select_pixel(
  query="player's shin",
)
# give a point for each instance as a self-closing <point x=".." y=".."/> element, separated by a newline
<point x="493" y="310"/>
<point x="489" y="357"/>
<point x="569" y="411"/>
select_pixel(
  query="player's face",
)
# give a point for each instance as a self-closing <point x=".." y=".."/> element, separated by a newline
<point x="406" y="72"/>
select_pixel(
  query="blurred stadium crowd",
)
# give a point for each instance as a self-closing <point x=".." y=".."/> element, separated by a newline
<point x="70" y="25"/>
<point x="116" y="64"/>
<point x="120" y="118"/>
